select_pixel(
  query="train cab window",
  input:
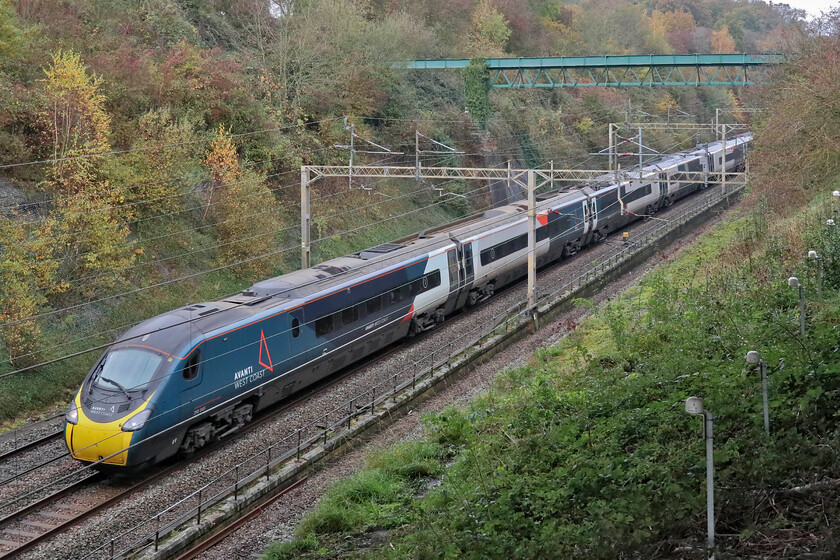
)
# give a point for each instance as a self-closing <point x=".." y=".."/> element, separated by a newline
<point x="191" y="368"/>
<point x="374" y="304"/>
<point x="324" y="325"/>
<point x="350" y="315"/>
<point x="295" y="327"/>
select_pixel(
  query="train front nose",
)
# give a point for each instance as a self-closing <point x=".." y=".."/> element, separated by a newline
<point x="92" y="441"/>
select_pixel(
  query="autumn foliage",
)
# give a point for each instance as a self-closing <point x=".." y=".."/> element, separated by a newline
<point x="797" y="146"/>
<point x="170" y="133"/>
<point x="242" y="209"/>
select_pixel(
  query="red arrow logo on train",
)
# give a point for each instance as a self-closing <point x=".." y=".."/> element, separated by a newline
<point x="264" y="345"/>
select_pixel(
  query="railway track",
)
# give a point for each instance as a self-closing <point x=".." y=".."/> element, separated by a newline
<point x="23" y="448"/>
<point x="219" y="536"/>
<point x="640" y="229"/>
<point x="19" y="462"/>
<point x="334" y="380"/>
<point x="37" y="522"/>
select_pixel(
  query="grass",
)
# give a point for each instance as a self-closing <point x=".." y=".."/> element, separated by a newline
<point x="587" y="451"/>
<point x="373" y="497"/>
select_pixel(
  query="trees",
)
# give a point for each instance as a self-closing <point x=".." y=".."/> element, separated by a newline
<point x="27" y="270"/>
<point x="796" y="147"/>
<point x="91" y="233"/>
<point x="722" y="41"/>
<point x="490" y="32"/>
<point x="165" y="153"/>
<point x="243" y="210"/>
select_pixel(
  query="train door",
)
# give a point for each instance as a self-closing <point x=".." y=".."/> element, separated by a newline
<point x="663" y="190"/>
<point x="593" y="213"/>
<point x="461" y="274"/>
<point x="587" y="224"/>
<point x="193" y="399"/>
<point x="455" y="280"/>
<point x="297" y="336"/>
<point x="465" y="253"/>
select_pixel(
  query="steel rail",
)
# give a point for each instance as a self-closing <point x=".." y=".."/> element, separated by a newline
<point x="27" y="446"/>
<point x="44" y="503"/>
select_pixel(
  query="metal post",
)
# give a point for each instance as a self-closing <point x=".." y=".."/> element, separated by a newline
<point x="352" y="151"/>
<point x="766" y="404"/>
<point x="710" y="482"/>
<point x="507" y="188"/>
<point x="236" y="485"/>
<point x="305" y="236"/>
<point x="640" y="153"/>
<point x="532" y="246"/>
<point x="298" y="444"/>
<point x="198" y="521"/>
<point x="801" y="310"/>
<point x="612" y="146"/>
<point x="723" y="160"/>
<point x="157" y="531"/>
<point x="551" y="177"/>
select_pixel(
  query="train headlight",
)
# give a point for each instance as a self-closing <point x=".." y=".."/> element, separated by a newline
<point x="72" y="415"/>
<point x="137" y="421"/>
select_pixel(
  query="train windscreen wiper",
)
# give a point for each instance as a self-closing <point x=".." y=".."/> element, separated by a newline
<point x="120" y="387"/>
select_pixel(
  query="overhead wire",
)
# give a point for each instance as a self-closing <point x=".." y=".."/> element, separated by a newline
<point x="355" y="229"/>
<point x="171" y="145"/>
<point x="335" y="313"/>
<point x="72" y="307"/>
<point x="186" y="230"/>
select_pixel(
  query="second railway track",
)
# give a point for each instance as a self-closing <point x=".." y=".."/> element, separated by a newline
<point x="72" y="503"/>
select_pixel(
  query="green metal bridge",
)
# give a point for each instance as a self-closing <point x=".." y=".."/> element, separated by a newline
<point x="615" y="71"/>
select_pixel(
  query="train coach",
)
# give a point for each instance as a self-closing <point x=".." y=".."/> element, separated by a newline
<point x="180" y="380"/>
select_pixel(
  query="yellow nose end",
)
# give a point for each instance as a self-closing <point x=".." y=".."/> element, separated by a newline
<point x="90" y="441"/>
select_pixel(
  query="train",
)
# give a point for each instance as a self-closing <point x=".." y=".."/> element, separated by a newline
<point x="178" y="381"/>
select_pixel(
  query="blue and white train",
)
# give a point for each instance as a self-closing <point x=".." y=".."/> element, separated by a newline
<point x="180" y="380"/>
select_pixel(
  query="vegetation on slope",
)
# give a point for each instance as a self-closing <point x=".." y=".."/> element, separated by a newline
<point x="133" y="209"/>
<point x="588" y="453"/>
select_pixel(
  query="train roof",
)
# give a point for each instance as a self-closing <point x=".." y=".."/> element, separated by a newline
<point x="176" y="332"/>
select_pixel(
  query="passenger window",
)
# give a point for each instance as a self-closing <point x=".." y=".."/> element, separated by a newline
<point x="350" y="315"/>
<point x="374" y="304"/>
<point x="295" y="327"/>
<point x="191" y="368"/>
<point x="324" y="325"/>
<point x="405" y="291"/>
